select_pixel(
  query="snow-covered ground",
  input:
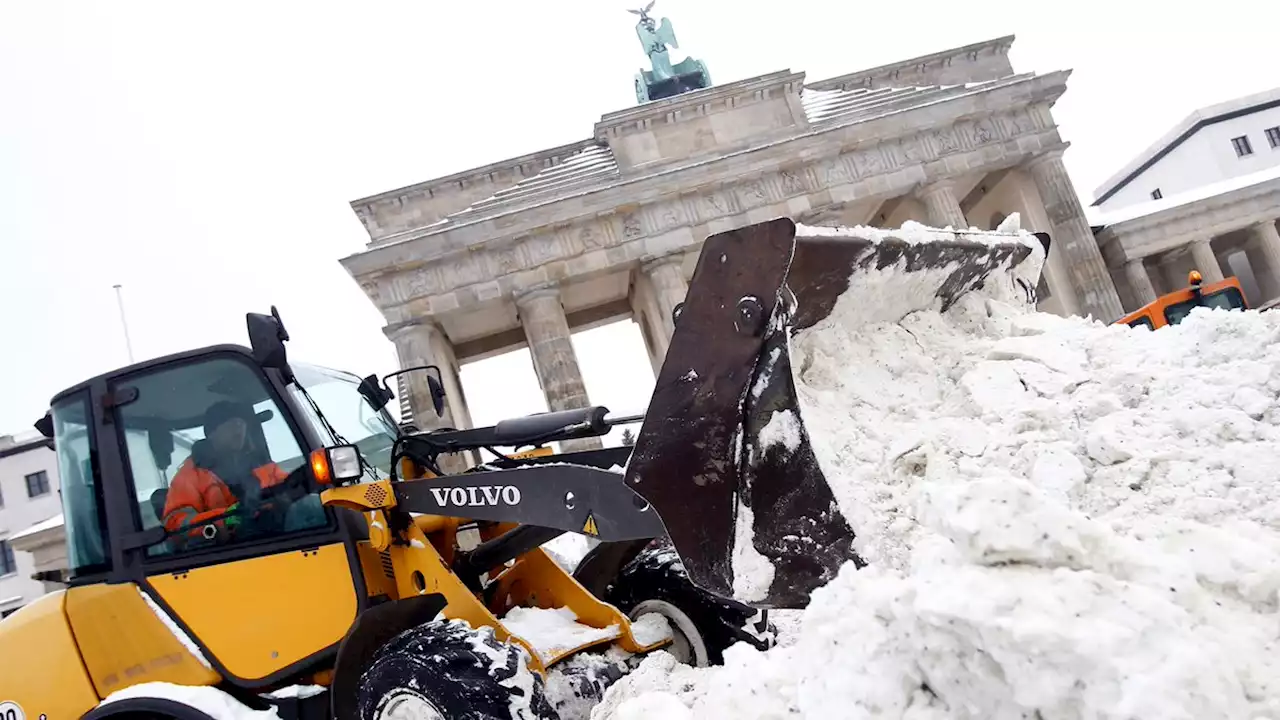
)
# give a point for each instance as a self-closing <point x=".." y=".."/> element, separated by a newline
<point x="1061" y="519"/>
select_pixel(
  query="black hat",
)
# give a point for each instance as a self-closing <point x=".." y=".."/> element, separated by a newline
<point x="225" y="410"/>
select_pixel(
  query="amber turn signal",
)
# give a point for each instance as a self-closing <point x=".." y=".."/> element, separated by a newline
<point x="320" y="467"/>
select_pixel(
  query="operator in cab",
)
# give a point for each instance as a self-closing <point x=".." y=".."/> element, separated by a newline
<point x="225" y="475"/>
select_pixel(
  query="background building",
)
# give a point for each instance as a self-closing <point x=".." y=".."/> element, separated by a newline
<point x="524" y="252"/>
<point x="28" y="496"/>
<point x="1206" y="196"/>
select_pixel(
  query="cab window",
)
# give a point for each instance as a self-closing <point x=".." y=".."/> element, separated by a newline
<point x="213" y="458"/>
<point x="1143" y="321"/>
<point x="1228" y="298"/>
<point x="82" y="511"/>
<point x="352" y="419"/>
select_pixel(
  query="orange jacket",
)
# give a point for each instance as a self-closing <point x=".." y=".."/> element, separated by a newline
<point x="197" y="494"/>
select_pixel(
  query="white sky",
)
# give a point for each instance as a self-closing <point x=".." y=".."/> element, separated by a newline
<point x="204" y="154"/>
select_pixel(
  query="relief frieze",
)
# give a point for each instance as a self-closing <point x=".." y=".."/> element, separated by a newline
<point x="632" y="226"/>
<point x="698" y="206"/>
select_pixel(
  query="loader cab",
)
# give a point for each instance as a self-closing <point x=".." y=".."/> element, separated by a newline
<point x="129" y="443"/>
<point x="1172" y="308"/>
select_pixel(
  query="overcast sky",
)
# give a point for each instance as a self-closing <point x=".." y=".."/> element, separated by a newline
<point x="204" y="154"/>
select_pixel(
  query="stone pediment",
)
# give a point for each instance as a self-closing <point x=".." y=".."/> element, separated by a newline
<point x="693" y="125"/>
<point x="732" y="114"/>
<point x="591" y="183"/>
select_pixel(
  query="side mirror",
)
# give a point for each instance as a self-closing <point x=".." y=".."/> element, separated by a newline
<point x="375" y="393"/>
<point x="267" y="337"/>
<point x="435" y="385"/>
<point x="437" y="395"/>
<point x="45" y="425"/>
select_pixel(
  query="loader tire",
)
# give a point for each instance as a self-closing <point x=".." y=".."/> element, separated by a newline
<point x="704" y="625"/>
<point x="445" y="670"/>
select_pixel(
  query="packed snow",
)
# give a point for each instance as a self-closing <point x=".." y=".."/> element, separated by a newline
<point x="553" y="631"/>
<point x="651" y="628"/>
<point x="567" y="550"/>
<point x="1062" y="520"/>
<point x="209" y="700"/>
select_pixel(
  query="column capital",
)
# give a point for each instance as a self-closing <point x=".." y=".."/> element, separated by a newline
<point x="648" y="265"/>
<point x="524" y="297"/>
<point x="398" y="330"/>
<point x="1054" y="153"/>
<point x="933" y="187"/>
<point x="1265" y="229"/>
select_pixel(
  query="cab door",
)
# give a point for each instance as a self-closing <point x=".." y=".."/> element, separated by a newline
<point x="270" y="593"/>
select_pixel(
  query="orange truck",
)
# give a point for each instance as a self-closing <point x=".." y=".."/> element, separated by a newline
<point x="1172" y="308"/>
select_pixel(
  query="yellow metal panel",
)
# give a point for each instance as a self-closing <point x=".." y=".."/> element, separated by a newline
<point x="421" y="571"/>
<point x="361" y="497"/>
<point x="261" y="615"/>
<point x="379" y="573"/>
<point x="536" y="452"/>
<point x="124" y="642"/>
<point x="40" y="668"/>
<point x="537" y="581"/>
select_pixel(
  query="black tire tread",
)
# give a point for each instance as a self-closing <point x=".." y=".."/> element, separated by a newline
<point x="656" y="573"/>
<point x="441" y="660"/>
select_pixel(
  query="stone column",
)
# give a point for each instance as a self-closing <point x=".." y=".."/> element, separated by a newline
<point x="1206" y="260"/>
<point x="547" y="330"/>
<point x="666" y="278"/>
<point x="1268" y="283"/>
<point x="1267" y="240"/>
<point x="1073" y="238"/>
<point x="940" y="202"/>
<point x="422" y="342"/>
<point x="644" y="312"/>
<point x="1143" y="291"/>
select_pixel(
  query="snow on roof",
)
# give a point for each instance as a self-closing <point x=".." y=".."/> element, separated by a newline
<point x="53" y="522"/>
<point x="1099" y="218"/>
<point x="588" y="166"/>
<point x="1180" y="132"/>
<point x="595" y="162"/>
<point x="845" y="106"/>
<point x="18" y="443"/>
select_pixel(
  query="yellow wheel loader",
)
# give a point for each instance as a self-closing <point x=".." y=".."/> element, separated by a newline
<point x="244" y="527"/>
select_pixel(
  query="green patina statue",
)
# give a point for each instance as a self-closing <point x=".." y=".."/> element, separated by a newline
<point x="665" y="80"/>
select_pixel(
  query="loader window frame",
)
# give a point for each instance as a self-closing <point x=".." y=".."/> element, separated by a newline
<point x="284" y="411"/>
<point x="357" y="422"/>
<point x="1144" y="321"/>
<point x="84" y="509"/>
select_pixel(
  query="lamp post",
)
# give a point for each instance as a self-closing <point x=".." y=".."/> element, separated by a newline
<point x="124" y="323"/>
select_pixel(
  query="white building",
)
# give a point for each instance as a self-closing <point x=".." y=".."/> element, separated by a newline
<point x="28" y="496"/>
<point x="1206" y="196"/>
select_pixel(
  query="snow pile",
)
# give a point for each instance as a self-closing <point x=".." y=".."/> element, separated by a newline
<point x="553" y="631"/>
<point x="651" y="628"/>
<point x="1062" y="520"/>
<point x="209" y="700"/>
<point x="568" y="549"/>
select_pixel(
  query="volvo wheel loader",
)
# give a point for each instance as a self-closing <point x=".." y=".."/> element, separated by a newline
<point x="242" y="525"/>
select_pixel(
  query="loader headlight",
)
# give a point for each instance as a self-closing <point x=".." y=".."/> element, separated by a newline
<point x="345" y="462"/>
<point x="338" y="463"/>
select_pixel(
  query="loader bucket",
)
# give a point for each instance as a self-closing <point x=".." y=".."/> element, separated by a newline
<point x="723" y="455"/>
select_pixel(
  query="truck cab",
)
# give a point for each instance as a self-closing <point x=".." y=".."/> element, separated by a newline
<point x="1172" y="308"/>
